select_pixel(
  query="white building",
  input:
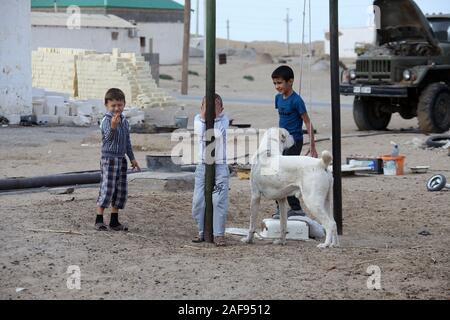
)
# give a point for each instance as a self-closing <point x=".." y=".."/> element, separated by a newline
<point x="15" y="60"/>
<point x="348" y="38"/>
<point x="99" y="32"/>
<point x="159" y="23"/>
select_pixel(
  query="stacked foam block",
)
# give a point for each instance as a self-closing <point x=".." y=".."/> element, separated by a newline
<point x="88" y="75"/>
<point x="54" y="69"/>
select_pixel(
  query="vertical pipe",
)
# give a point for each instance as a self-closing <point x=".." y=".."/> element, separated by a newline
<point x="186" y="42"/>
<point x="196" y="19"/>
<point x="228" y="36"/>
<point x="210" y="114"/>
<point x="336" y="113"/>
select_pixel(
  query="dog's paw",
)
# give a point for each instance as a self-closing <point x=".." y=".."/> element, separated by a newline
<point x="247" y="240"/>
<point x="324" y="245"/>
<point x="280" y="242"/>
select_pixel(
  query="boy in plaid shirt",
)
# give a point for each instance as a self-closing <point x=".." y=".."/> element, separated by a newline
<point x="115" y="144"/>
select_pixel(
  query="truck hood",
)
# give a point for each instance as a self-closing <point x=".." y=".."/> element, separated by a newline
<point x="402" y="20"/>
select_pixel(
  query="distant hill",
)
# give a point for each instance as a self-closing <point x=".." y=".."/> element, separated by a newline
<point x="275" y="48"/>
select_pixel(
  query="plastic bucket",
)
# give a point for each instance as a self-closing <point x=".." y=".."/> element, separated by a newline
<point x="393" y="166"/>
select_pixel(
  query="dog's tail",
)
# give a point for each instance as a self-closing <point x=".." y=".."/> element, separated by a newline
<point x="326" y="159"/>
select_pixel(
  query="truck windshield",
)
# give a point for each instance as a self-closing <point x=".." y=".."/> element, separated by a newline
<point x="441" y="29"/>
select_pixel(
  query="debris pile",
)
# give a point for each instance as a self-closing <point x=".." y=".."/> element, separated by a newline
<point x="52" y="109"/>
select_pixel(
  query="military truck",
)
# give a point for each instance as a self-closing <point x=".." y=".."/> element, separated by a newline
<point x="406" y="71"/>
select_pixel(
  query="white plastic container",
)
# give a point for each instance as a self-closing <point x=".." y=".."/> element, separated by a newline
<point x="297" y="230"/>
<point x="389" y="168"/>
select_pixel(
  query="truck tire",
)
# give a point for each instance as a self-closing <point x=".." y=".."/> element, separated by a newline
<point x="368" y="115"/>
<point x="433" y="110"/>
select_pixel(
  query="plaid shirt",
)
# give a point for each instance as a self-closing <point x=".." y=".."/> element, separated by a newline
<point x="116" y="142"/>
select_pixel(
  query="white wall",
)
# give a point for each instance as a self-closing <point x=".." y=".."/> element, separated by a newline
<point x="167" y="40"/>
<point x="349" y="38"/>
<point x="15" y="58"/>
<point x="98" y="39"/>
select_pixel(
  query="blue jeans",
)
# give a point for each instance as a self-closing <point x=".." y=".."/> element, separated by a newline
<point x="220" y="199"/>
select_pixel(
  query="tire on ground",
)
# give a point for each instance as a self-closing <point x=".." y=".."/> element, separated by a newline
<point x="438" y="141"/>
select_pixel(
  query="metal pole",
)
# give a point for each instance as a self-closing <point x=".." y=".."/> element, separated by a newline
<point x="228" y="36"/>
<point x="196" y="20"/>
<point x="336" y="113"/>
<point x="210" y="114"/>
<point x="287" y="31"/>
<point x="186" y="42"/>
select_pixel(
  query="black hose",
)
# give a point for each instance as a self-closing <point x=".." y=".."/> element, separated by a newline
<point x="58" y="180"/>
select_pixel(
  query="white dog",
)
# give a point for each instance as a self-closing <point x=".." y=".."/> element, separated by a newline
<point x="276" y="177"/>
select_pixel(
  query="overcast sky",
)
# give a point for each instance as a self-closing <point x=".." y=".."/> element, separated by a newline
<point x="265" y="19"/>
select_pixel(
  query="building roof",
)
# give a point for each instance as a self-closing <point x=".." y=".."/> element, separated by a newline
<point x="86" y="20"/>
<point x="129" y="4"/>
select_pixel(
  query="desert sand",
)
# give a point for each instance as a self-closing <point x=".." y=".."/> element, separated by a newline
<point x="383" y="215"/>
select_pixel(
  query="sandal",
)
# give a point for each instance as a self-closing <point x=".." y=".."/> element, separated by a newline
<point x="219" y="241"/>
<point x="100" y="226"/>
<point x="198" y="239"/>
<point x="119" y="227"/>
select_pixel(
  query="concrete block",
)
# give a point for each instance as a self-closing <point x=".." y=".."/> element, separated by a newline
<point x="13" y="119"/>
<point x="46" y="119"/>
<point x="162" y="181"/>
<point x="38" y="107"/>
<point x="66" y="120"/>
<point x="62" y="110"/>
<point x="84" y="107"/>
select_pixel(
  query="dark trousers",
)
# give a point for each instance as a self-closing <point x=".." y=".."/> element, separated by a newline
<point x="295" y="150"/>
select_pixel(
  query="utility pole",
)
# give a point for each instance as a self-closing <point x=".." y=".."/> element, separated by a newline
<point x="228" y="36"/>
<point x="336" y="114"/>
<point x="210" y="115"/>
<point x="288" y="21"/>
<point x="186" y="42"/>
<point x="197" y="12"/>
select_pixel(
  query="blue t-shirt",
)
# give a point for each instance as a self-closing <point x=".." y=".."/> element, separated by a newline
<point x="290" y="111"/>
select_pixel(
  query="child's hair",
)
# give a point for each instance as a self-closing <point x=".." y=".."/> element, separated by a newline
<point x="216" y="97"/>
<point x="114" y="94"/>
<point x="284" y="72"/>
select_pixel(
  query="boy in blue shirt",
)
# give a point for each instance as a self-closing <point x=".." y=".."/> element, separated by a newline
<point x="292" y="113"/>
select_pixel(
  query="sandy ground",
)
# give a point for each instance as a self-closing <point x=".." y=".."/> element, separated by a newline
<point x="156" y="260"/>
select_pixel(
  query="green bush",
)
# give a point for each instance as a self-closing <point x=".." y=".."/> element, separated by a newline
<point x="193" y="73"/>
<point x="249" y="78"/>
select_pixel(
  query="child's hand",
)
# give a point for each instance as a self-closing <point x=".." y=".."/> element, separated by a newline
<point x="115" y="121"/>
<point x="203" y="111"/>
<point x="135" y="165"/>
<point x="219" y="108"/>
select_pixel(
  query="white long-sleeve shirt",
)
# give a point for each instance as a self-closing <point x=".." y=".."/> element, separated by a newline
<point x="221" y="124"/>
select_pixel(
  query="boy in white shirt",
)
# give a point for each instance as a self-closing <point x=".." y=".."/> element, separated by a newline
<point x="220" y="192"/>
